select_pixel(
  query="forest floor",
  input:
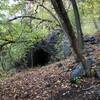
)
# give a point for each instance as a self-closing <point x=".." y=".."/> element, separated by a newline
<point x="52" y="82"/>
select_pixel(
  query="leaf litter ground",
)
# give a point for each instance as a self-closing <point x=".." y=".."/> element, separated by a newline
<point x="52" y="83"/>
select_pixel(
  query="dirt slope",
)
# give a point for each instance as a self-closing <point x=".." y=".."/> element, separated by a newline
<point x="48" y="83"/>
<point x="51" y="83"/>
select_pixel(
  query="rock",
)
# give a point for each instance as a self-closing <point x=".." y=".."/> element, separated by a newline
<point x="91" y="53"/>
<point x="66" y="46"/>
<point x="90" y="39"/>
<point x="90" y="50"/>
<point x="77" y="71"/>
<point x="90" y="61"/>
<point x="62" y="44"/>
<point x="98" y="70"/>
<point x="86" y="38"/>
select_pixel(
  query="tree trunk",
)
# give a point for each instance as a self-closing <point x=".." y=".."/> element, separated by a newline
<point x="78" y="25"/>
<point x="67" y="28"/>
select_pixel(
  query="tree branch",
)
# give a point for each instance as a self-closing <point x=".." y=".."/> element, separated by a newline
<point x="37" y="18"/>
<point x="11" y="42"/>
<point x="6" y="43"/>
<point x="50" y="13"/>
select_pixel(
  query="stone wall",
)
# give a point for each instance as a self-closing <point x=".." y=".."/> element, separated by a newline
<point x="53" y="48"/>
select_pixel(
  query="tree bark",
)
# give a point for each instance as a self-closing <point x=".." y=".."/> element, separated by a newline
<point x="67" y="28"/>
<point x="78" y="25"/>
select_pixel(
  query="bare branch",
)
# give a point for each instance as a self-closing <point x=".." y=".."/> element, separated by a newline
<point x="11" y="42"/>
<point x="6" y="43"/>
<point x="50" y="13"/>
<point x="37" y="18"/>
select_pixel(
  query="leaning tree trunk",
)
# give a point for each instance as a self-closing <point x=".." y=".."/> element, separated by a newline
<point x="67" y="28"/>
<point x="78" y="25"/>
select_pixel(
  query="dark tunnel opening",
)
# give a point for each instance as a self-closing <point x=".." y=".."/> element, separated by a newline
<point x="41" y="57"/>
<point x="33" y="59"/>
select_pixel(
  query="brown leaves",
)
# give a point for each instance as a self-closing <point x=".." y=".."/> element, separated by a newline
<point x="50" y="82"/>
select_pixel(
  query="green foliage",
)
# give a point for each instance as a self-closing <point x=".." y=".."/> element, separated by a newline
<point x="89" y="11"/>
<point x="22" y="31"/>
<point x="76" y="80"/>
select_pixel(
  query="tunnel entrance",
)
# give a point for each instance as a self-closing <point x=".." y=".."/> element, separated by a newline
<point x="33" y="59"/>
<point x="40" y="57"/>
